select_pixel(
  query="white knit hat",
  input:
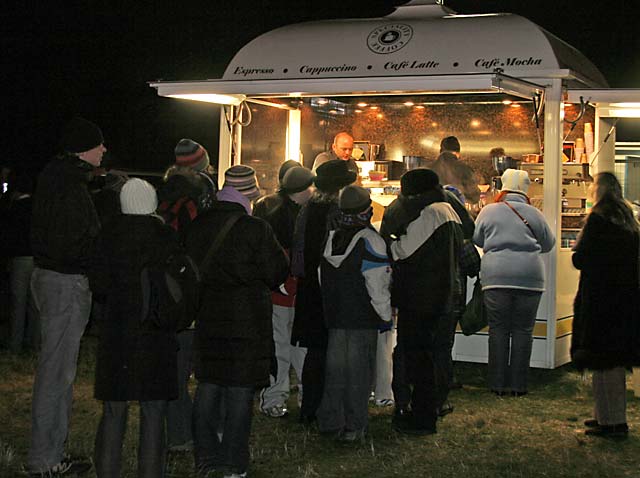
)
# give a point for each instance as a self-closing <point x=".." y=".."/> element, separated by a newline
<point x="138" y="197"/>
<point x="515" y="180"/>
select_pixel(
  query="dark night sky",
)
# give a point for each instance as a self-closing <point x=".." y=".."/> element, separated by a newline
<point x="96" y="59"/>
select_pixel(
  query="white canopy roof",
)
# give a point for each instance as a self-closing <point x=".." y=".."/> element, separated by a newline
<point x="419" y="38"/>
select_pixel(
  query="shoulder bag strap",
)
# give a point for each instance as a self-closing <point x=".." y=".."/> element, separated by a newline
<point x="215" y="245"/>
<point x="526" y="223"/>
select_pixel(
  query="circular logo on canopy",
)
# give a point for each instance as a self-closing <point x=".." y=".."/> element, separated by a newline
<point x="389" y="38"/>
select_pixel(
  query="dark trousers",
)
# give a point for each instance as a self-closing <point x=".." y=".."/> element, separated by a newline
<point x="313" y="373"/>
<point x="179" y="413"/>
<point x="418" y="380"/>
<point x="222" y="425"/>
<point x="151" y="444"/>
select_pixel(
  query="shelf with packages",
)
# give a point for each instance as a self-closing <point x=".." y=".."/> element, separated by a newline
<point x="575" y="188"/>
<point x="574" y="192"/>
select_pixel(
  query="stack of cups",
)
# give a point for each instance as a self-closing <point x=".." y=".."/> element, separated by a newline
<point x="578" y="150"/>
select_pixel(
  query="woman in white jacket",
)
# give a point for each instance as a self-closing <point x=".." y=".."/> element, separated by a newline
<point x="512" y="234"/>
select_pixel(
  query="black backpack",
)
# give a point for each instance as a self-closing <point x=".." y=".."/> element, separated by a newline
<point x="170" y="293"/>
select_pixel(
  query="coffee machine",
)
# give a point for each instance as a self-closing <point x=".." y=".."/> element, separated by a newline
<point x="500" y="165"/>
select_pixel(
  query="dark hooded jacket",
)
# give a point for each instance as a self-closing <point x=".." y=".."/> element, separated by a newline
<point x="425" y="237"/>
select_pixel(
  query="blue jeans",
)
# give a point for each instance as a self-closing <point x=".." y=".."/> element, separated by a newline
<point x="151" y="445"/>
<point x="222" y="425"/>
<point x="64" y="304"/>
<point x="179" y="415"/>
<point x="511" y="314"/>
<point x="24" y="316"/>
<point x="351" y="361"/>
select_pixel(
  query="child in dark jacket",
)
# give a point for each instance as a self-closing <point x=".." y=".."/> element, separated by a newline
<point x="355" y="277"/>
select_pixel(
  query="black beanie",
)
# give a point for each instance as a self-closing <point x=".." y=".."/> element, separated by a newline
<point x="333" y="175"/>
<point x="418" y="181"/>
<point x="354" y="199"/>
<point x="81" y="135"/>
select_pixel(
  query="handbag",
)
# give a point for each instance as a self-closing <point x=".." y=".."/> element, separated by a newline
<point x="469" y="259"/>
<point x="474" y="317"/>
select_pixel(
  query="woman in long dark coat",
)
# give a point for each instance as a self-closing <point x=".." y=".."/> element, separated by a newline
<point x="136" y="360"/>
<point x="606" y="313"/>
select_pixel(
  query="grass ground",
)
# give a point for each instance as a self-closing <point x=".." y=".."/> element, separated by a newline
<point x="538" y="435"/>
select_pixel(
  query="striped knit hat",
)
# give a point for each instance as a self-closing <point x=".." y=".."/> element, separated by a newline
<point x="243" y="179"/>
<point x="192" y="155"/>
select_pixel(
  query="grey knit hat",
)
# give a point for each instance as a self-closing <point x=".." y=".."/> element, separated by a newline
<point x="137" y="196"/>
<point x="354" y="199"/>
<point x="243" y="179"/>
<point x="286" y="166"/>
<point x="297" y="179"/>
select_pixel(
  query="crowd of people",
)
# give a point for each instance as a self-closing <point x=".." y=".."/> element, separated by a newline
<point x="297" y="279"/>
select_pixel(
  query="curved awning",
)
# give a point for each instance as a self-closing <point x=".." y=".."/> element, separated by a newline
<point x="417" y="39"/>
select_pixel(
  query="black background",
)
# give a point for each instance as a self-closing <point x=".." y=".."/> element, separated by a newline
<point x="95" y="59"/>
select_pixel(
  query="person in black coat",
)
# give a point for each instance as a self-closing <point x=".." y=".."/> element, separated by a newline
<point x="233" y="335"/>
<point x="280" y="210"/>
<point x="314" y="221"/>
<point x="606" y="322"/>
<point x="424" y="234"/>
<point x="136" y="359"/>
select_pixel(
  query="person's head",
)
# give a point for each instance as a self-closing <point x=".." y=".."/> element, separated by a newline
<point x="286" y="166"/>
<point x="355" y="207"/>
<point x="84" y="139"/>
<point x="515" y="181"/>
<point x="354" y="199"/>
<point x="192" y="155"/>
<point x="333" y="175"/>
<point x="343" y="145"/>
<point x="138" y="197"/>
<point x="450" y="144"/>
<point x="297" y="183"/>
<point x="418" y="181"/>
<point x="606" y="185"/>
<point x="496" y="152"/>
<point x="243" y="179"/>
<point x="609" y="202"/>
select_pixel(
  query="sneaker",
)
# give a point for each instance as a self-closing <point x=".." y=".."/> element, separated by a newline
<point x="385" y="402"/>
<point x="591" y="423"/>
<point x="445" y="410"/>
<point x="66" y="467"/>
<point x="277" y="411"/>
<point x="236" y="475"/>
<point x="182" y="448"/>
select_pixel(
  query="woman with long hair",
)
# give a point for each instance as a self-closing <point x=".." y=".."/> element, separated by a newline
<point x="606" y="313"/>
<point x="513" y="234"/>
